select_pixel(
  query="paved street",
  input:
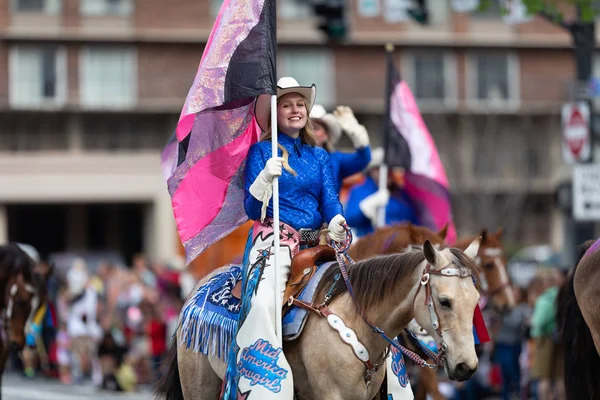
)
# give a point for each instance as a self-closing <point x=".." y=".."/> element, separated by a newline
<point x="15" y="387"/>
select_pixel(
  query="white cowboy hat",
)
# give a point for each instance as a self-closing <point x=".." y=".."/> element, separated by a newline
<point x="285" y="85"/>
<point x="334" y="129"/>
<point x="377" y="156"/>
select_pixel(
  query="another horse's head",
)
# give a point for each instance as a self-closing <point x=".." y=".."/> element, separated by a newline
<point x="419" y="234"/>
<point x="492" y="260"/>
<point x="445" y="303"/>
<point x="395" y="238"/>
<point x="24" y="291"/>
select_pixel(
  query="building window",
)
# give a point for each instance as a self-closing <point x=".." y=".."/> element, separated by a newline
<point x="120" y="133"/>
<point x="37" y="76"/>
<point x="494" y="79"/>
<point x="431" y="76"/>
<point x="36" y="6"/>
<point x="106" y="7"/>
<point x="311" y="66"/>
<point x="108" y="77"/>
<point x="295" y="9"/>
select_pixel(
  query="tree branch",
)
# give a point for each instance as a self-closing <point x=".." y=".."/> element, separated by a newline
<point x="555" y="18"/>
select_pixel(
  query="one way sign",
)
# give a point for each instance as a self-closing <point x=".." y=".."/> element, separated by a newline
<point x="586" y="192"/>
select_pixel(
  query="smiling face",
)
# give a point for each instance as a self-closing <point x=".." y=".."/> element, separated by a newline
<point x="291" y="114"/>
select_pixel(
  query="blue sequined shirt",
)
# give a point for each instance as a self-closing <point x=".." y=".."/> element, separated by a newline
<point x="399" y="208"/>
<point x="347" y="164"/>
<point x="305" y="200"/>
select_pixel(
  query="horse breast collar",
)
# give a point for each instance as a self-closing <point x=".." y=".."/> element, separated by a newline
<point x="347" y="335"/>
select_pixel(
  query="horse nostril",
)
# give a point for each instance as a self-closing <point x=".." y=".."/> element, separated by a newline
<point x="463" y="372"/>
<point x="16" y="347"/>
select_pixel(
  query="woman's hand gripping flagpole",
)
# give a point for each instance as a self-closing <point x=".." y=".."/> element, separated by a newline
<point x="278" y="298"/>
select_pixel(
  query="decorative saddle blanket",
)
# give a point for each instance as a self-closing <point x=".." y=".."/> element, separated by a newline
<point x="209" y="318"/>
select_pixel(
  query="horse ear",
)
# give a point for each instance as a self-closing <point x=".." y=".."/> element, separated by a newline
<point x="484" y="234"/>
<point x="473" y="248"/>
<point x="444" y="231"/>
<point x="500" y="232"/>
<point x="431" y="254"/>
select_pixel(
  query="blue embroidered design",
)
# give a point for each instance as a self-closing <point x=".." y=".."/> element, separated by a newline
<point x="250" y="285"/>
<point x="398" y="367"/>
<point x="258" y="364"/>
<point x="209" y="318"/>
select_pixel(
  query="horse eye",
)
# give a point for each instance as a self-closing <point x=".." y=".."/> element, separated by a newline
<point x="488" y="265"/>
<point x="446" y="303"/>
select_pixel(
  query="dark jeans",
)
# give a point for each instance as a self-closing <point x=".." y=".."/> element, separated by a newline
<point x="507" y="356"/>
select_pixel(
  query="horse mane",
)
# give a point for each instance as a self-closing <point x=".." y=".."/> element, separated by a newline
<point x="374" y="279"/>
<point x="581" y="361"/>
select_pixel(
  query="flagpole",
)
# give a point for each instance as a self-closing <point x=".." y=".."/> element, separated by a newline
<point x="277" y="291"/>
<point x="383" y="170"/>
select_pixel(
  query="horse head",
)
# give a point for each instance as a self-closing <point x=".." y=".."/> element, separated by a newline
<point x="394" y="238"/>
<point x="444" y="304"/>
<point x="420" y="234"/>
<point x="492" y="259"/>
<point x="24" y="291"/>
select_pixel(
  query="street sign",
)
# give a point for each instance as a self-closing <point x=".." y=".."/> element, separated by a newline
<point x="576" y="147"/>
<point x="586" y="192"/>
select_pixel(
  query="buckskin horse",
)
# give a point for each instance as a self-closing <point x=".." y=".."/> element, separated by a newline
<point x="23" y="288"/>
<point x="393" y="239"/>
<point x="578" y="320"/>
<point x="387" y="291"/>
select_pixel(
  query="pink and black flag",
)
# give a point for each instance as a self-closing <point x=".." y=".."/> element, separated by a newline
<point x="204" y="160"/>
<point x="408" y="144"/>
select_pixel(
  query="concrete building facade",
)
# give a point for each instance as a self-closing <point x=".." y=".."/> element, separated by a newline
<point x="91" y="89"/>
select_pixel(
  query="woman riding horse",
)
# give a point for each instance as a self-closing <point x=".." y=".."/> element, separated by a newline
<point x="307" y="199"/>
<point x="366" y="199"/>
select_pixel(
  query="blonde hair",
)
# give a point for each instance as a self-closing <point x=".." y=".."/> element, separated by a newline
<point x="307" y="134"/>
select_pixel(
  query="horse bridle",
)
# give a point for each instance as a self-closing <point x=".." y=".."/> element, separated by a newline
<point x="14" y="289"/>
<point x="495" y="253"/>
<point x="425" y="282"/>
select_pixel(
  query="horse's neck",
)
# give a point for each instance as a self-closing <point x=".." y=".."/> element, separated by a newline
<point x="395" y="312"/>
<point x="391" y="315"/>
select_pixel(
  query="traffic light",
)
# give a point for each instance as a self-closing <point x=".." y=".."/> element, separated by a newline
<point x="419" y="12"/>
<point x="333" y="22"/>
